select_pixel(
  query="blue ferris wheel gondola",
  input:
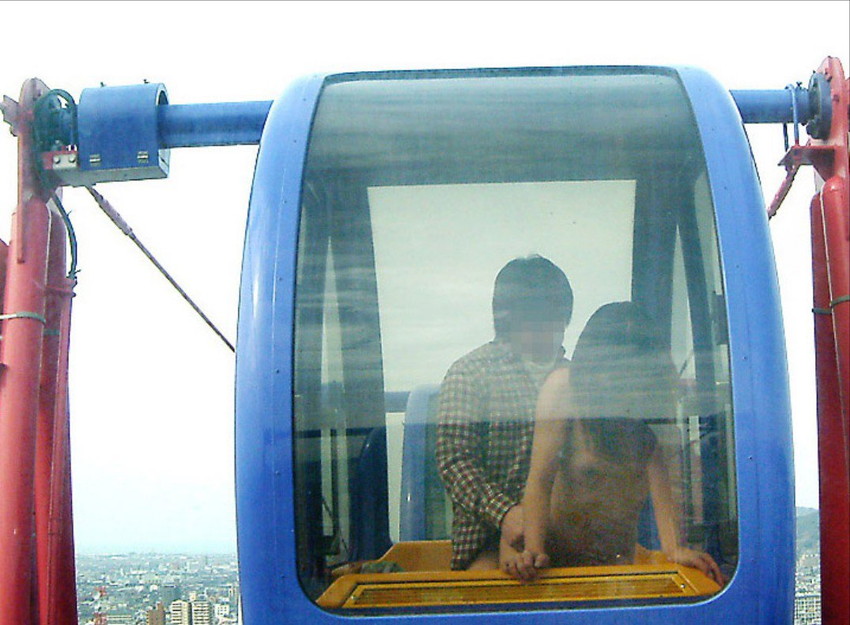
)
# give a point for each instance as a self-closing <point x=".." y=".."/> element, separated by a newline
<point x="361" y="146"/>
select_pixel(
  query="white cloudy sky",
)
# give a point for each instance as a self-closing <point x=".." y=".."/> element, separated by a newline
<point x="151" y="387"/>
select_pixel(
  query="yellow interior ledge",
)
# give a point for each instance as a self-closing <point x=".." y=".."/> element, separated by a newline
<point x="427" y="581"/>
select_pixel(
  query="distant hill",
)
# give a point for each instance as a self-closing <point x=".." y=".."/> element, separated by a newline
<point x="808" y="531"/>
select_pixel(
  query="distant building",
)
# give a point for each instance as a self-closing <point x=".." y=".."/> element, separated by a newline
<point x="807" y="609"/>
<point x="234" y="596"/>
<point x="181" y="612"/>
<point x="155" y="616"/>
<point x="120" y="619"/>
<point x="202" y="613"/>
<point x="170" y="593"/>
<point x="809" y="559"/>
<point x="233" y="593"/>
<point x="222" y="610"/>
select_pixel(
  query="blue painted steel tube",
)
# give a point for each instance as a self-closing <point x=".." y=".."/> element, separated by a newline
<point x="772" y="106"/>
<point x="198" y="125"/>
<point x="241" y="123"/>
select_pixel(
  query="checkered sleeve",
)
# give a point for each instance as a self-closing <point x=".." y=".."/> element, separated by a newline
<point x="461" y="435"/>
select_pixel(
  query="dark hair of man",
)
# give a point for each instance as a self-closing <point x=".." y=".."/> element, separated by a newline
<point x="530" y="288"/>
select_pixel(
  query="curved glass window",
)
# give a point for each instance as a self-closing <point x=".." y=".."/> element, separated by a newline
<point x="428" y="407"/>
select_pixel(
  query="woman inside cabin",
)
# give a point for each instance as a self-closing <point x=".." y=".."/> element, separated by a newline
<point x="594" y="459"/>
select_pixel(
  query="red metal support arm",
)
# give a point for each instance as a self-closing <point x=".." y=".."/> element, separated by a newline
<point x="830" y="212"/>
<point x="36" y="545"/>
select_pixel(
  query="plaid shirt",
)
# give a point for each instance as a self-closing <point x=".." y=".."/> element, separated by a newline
<point x="486" y="426"/>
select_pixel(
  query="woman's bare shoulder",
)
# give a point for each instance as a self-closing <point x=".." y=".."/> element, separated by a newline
<point x="558" y="379"/>
<point x="553" y="398"/>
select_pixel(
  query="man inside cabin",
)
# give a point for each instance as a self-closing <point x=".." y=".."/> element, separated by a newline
<point x="486" y="409"/>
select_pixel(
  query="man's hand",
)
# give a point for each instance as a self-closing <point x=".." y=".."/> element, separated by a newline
<point x="523" y="565"/>
<point x="511" y="527"/>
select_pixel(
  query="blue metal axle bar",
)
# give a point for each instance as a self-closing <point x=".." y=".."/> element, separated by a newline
<point x="241" y="123"/>
<point x="198" y="125"/>
<point x="773" y="106"/>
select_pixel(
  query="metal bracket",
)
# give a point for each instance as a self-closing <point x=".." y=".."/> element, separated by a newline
<point x="795" y="91"/>
<point x="11" y="114"/>
<point x="798" y="155"/>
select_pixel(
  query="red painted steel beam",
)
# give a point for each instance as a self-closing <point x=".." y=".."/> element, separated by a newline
<point x="4" y="255"/>
<point x="830" y="213"/>
<point x="20" y="354"/>
<point x="834" y="483"/>
<point x="54" y="530"/>
<point x="62" y="577"/>
<point x="44" y="445"/>
<point x="37" y="577"/>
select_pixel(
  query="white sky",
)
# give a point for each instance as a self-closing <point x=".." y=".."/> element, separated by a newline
<point x="151" y="386"/>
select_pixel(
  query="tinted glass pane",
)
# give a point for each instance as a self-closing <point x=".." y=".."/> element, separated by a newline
<point x="429" y="394"/>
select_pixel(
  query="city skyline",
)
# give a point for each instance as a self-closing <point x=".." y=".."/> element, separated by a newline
<point x="128" y="588"/>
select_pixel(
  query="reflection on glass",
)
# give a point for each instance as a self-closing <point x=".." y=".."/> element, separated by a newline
<point x="418" y="191"/>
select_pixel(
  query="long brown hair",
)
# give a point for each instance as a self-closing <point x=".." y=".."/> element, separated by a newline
<point x="621" y="376"/>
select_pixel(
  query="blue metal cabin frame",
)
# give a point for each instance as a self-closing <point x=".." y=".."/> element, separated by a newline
<point x="763" y="449"/>
<point x="265" y="532"/>
<point x="762" y="588"/>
